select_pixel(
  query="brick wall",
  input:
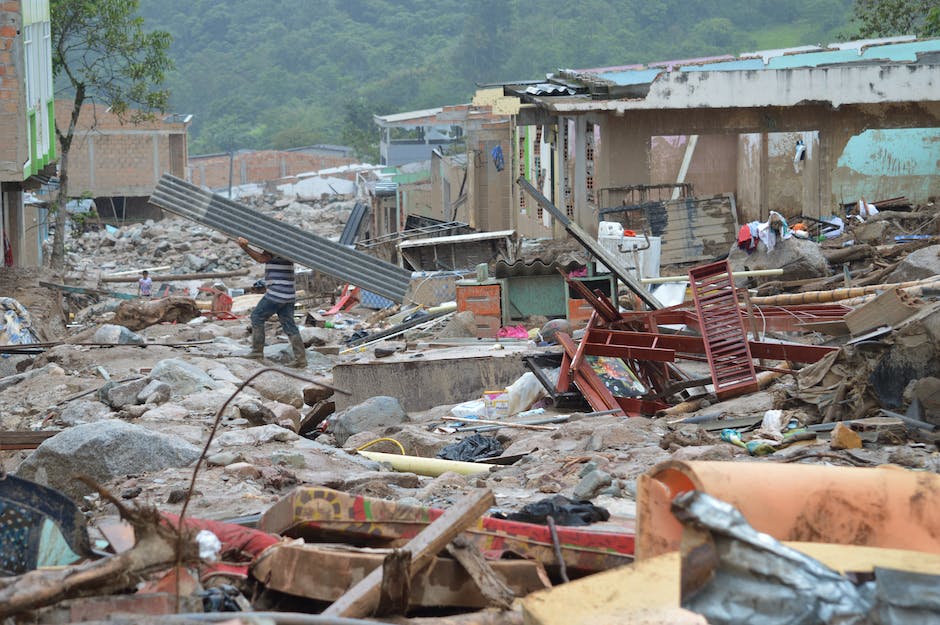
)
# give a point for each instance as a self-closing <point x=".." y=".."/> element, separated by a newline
<point x="262" y="166"/>
<point x="111" y="158"/>
<point x="14" y="146"/>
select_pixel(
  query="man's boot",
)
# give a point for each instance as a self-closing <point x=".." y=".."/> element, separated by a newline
<point x="300" y="352"/>
<point x="257" y="343"/>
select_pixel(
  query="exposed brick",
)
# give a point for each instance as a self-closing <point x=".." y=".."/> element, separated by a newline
<point x="8" y="31"/>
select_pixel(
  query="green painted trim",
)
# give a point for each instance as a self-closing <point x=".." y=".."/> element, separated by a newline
<point x="53" y="143"/>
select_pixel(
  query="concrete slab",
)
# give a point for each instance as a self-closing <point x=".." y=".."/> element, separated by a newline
<point x="422" y="380"/>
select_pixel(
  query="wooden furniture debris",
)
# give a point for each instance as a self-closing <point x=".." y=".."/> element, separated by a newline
<point x="362" y="599"/>
<point x="491" y="586"/>
<point x="323" y="572"/>
<point x="319" y="514"/>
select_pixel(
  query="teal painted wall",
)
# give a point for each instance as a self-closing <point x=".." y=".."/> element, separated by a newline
<point x="883" y="164"/>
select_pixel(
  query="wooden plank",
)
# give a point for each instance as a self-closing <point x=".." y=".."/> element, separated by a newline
<point x="646" y="592"/>
<point x="24" y="440"/>
<point x="490" y="584"/>
<point x="362" y="599"/>
<point x="396" y="583"/>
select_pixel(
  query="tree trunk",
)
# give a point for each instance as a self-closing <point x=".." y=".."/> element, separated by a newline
<point x="57" y="262"/>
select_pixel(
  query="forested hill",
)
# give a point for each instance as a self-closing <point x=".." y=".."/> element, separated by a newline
<point x="286" y="73"/>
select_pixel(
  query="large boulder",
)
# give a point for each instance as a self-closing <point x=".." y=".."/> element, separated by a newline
<point x="375" y="414"/>
<point x="799" y="258"/>
<point x="103" y="451"/>
<point x="923" y="263"/>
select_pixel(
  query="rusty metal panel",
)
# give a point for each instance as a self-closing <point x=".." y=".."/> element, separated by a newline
<point x="691" y="229"/>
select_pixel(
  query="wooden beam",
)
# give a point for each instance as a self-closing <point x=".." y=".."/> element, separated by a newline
<point x="24" y="440"/>
<point x="490" y="584"/>
<point x="362" y="599"/>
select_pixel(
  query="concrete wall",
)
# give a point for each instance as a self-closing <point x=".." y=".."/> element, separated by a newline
<point x="444" y="376"/>
<point x="712" y="169"/>
<point x="256" y="167"/>
<point x="883" y="164"/>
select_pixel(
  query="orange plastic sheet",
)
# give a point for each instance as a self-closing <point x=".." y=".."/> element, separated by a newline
<point x="886" y="506"/>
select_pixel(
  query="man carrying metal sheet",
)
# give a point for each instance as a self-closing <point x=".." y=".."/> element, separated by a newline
<point x="278" y="300"/>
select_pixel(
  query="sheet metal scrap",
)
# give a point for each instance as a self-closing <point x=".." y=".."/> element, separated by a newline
<point x="731" y="573"/>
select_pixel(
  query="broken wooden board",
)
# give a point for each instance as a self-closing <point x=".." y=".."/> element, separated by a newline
<point x="859" y="559"/>
<point x="362" y="599"/>
<point x="888" y="309"/>
<point x="323" y="572"/>
<point x="10" y="440"/>
<point x="319" y="514"/>
<point x="644" y="593"/>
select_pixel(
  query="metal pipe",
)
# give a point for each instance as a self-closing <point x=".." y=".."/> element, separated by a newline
<point x="734" y="274"/>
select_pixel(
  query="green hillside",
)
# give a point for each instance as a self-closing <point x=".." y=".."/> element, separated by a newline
<point x="287" y="73"/>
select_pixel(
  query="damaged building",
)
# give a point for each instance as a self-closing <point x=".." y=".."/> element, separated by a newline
<point x="640" y="344"/>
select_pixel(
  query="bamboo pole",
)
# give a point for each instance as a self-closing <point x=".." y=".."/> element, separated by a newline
<point x="835" y="295"/>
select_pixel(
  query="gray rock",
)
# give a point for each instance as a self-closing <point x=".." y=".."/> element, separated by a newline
<point x="462" y="325"/>
<point x="317" y="337"/>
<point x="103" y="451"/>
<point x="292" y="459"/>
<point x="255" y="412"/>
<point x="255" y="436"/>
<point x="373" y="414"/>
<point x="120" y="395"/>
<point x="197" y="263"/>
<point x="224" y="458"/>
<point x="115" y="334"/>
<point x="280" y="388"/>
<point x="798" y="258"/>
<point x="83" y="411"/>
<point x="592" y="484"/>
<point x="923" y="263"/>
<point x="927" y="390"/>
<point x="184" y="378"/>
<point x="156" y="392"/>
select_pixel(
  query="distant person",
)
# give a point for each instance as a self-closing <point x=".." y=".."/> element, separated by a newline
<point x="145" y="285"/>
<point x="279" y="298"/>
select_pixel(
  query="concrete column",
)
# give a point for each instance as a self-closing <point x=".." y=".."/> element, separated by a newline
<point x="833" y="138"/>
<point x="582" y="213"/>
<point x="764" y="168"/>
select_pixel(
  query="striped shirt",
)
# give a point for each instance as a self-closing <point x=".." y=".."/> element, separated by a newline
<point x="279" y="280"/>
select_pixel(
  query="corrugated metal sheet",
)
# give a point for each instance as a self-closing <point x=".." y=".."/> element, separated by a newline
<point x="304" y="248"/>
<point x="354" y="224"/>
<point x="867" y="51"/>
<point x="526" y="269"/>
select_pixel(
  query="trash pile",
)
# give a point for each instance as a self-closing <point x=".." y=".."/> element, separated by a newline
<point x="746" y="440"/>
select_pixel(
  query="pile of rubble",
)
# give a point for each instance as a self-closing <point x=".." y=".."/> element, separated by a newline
<point x="731" y="442"/>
